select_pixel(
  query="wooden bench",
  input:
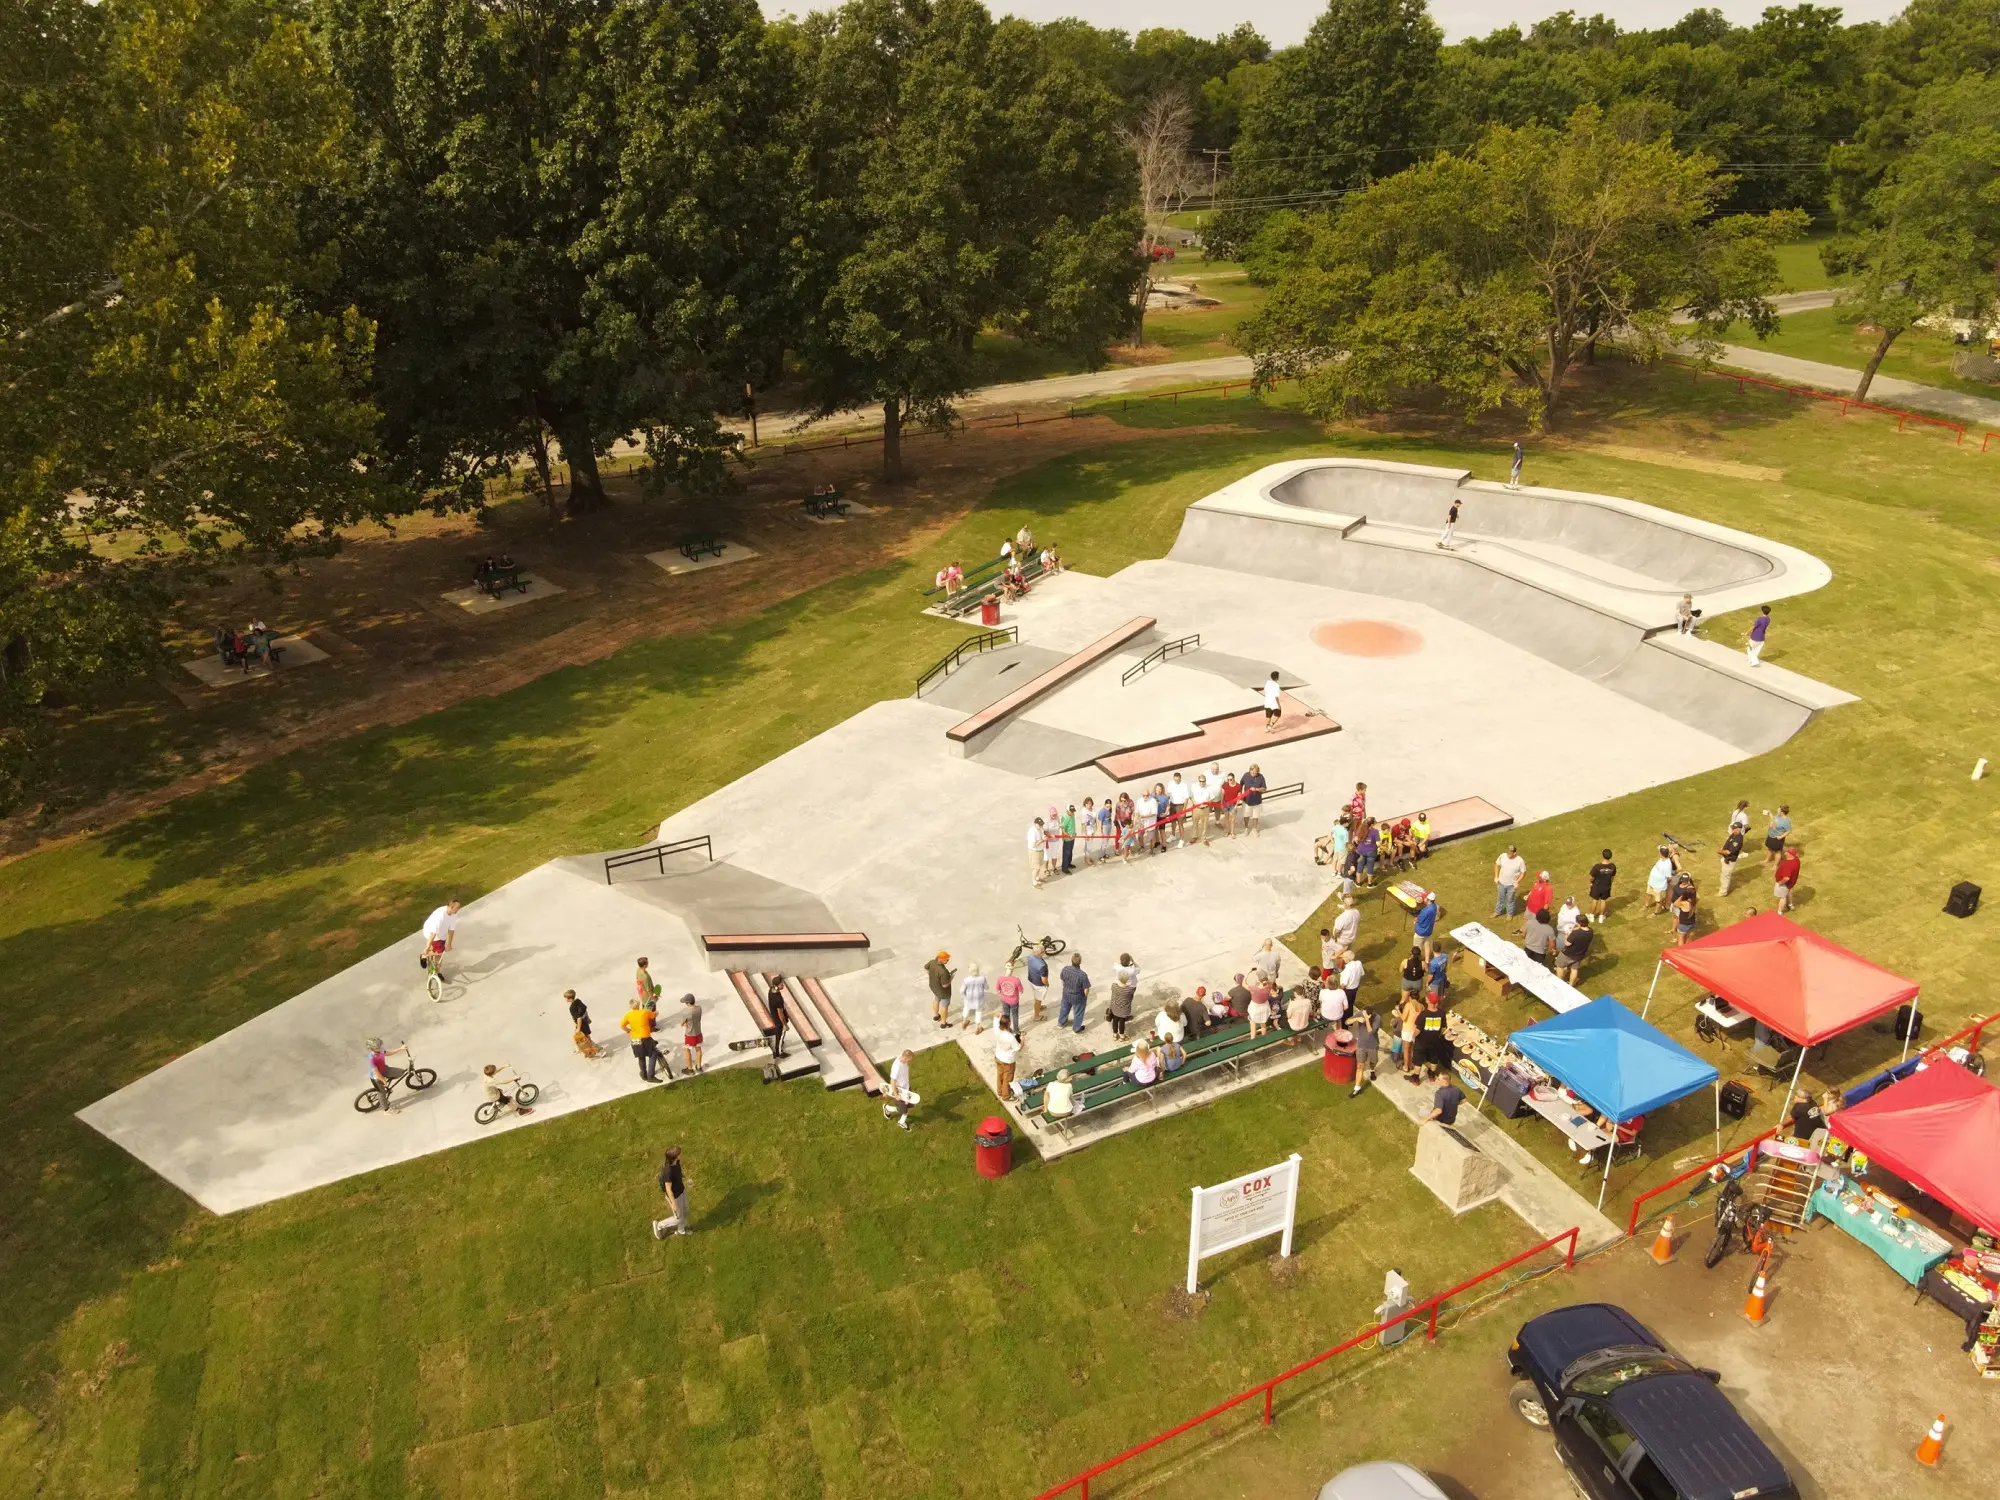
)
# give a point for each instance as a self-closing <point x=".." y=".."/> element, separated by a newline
<point x="694" y="549"/>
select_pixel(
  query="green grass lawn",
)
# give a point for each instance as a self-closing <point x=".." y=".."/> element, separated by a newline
<point x="1920" y="354"/>
<point x="1195" y="334"/>
<point x="1799" y="264"/>
<point x="860" y="1315"/>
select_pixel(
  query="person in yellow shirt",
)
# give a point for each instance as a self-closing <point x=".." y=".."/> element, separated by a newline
<point x="638" y="1025"/>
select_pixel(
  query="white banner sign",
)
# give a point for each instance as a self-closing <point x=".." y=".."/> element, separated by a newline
<point x="1243" y="1209"/>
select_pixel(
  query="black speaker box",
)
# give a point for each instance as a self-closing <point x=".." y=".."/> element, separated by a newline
<point x="1963" y="901"/>
<point x="1735" y="1100"/>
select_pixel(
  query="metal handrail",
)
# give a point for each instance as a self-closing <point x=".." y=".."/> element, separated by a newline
<point x="1159" y="654"/>
<point x="657" y="853"/>
<point x="986" y="640"/>
<point x="1289" y="789"/>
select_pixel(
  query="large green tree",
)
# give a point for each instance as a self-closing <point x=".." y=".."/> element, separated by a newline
<point x="1483" y="279"/>
<point x="572" y="217"/>
<point x="962" y="178"/>
<point x="1351" y="102"/>
<point x="170" y="401"/>
<point x="1929" y="240"/>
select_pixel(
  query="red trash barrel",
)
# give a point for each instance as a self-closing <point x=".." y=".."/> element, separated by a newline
<point x="1337" y="1062"/>
<point x="989" y="610"/>
<point x="993" y="1147"/>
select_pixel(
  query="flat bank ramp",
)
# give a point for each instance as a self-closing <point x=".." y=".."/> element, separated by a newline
<point x="972" y="735"/>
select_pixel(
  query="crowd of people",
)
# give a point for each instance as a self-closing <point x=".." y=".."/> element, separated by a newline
<point x="1020" y="561"/>
<point x="256" y="644"/>
<point x="1171" y="814"/>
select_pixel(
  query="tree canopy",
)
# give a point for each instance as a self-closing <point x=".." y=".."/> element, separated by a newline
<point x="173" y="398"/>
<point x="1483" y="278"/>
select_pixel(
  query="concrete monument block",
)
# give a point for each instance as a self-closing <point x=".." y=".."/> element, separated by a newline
<point x="1452" y="1167"/>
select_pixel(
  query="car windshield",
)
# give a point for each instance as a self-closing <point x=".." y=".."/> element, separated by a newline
<point x="1602" y="1372"/>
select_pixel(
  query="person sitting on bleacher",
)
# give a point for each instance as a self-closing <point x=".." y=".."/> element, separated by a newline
<point x="1144" y="1068"/>
<point x="1195" y="1019"/>
<point x="1059" y="1098"/>
<point x="1170" y="1025"/>
<point x="1172" y="1055"/>
<point x="1420" y="834"/>
<point x="1299" y="1010"/>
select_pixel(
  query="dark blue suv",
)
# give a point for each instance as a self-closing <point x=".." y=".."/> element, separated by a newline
<point x="1631" y="1419"/>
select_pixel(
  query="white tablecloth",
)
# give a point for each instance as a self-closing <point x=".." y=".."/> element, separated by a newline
<point x="1518" y="968"/>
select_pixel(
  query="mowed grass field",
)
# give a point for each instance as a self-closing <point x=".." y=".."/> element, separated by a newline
<point x="859" y="1314"/>
<point x="1922" y="354"/>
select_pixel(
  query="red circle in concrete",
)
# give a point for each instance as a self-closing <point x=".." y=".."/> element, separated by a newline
<point x="1367" y="638"/>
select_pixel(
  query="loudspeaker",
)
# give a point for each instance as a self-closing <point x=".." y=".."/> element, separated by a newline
<point x="1909" y="1025"/>
<point x="1735" y="1100"/>
<point x="1963" y="901"/>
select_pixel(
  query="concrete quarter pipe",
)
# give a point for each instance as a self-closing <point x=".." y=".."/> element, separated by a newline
<point x="1588" y="582"/>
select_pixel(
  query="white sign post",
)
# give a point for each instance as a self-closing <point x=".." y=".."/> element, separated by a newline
<point x="1243" y="1209"/>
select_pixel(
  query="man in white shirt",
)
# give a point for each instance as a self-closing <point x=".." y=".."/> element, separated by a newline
<point x="1006" y="1054"/>
<point x="1147" y="812"/>
<point x="440" y="932"/>
<point x="1350" y="977"/>
<point x="1566" y="917"/>
<point x="1273" y="707"/>
<point x="1178" y="798"/>
<point x="1347" y="926"/>
<point x="1037" y="860"/>
<point x="1507" y="872"/>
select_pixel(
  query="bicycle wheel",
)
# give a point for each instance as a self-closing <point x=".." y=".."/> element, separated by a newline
<point x="527" y="1093"/>
<point x="421" y="1078"/>
<point x="367" y="1101"/>
<point x="487" y="1113"/>
<point x="434" y="985"/>
<point x="1052" y="946"/>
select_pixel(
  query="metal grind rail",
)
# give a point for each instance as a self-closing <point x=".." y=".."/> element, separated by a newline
<point x="657" y="854"/>
<point x="1159" y="654"/>
<point x="986" y="640"/>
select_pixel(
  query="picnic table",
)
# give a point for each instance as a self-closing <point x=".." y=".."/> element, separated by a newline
<point x="829" y="503"/>
<point x="694" y="549"/>
<point x="496" y="578"/>
<point x="1510" y="965"/>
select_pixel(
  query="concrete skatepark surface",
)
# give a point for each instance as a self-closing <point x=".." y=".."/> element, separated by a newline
<point x="878" y="825"/>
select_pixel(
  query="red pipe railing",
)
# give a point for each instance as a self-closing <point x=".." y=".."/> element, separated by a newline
<point x="1080" y="1483"/>
<point x="1638" y="1203"/>
<point x="1976" y="1030"/>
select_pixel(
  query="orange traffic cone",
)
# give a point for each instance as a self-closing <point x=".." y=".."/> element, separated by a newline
<point x="1754" y="1308"/>
<point x="1932" y="1447"/>
<point x="1663" y="1242"/>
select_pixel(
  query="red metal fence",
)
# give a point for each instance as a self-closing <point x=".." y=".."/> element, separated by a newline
<point x="1080" y="1483"/>
<point x="1846" y="403"/>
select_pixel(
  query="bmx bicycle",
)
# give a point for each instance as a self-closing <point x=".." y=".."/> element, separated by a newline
<point x="524" y="1094"/>
<point x="416" y="1079"/>
<point x="1049" y="946"/>
<point x="433" y="963"/>
<point x="1733" y="1218"/>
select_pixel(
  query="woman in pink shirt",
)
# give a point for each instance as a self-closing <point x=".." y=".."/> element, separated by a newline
<point x="1008" y="988"/>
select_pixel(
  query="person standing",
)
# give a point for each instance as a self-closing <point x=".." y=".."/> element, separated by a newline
<point x="1740" y="818"/>
<point x="1601" y="875"/>
<point x="779" y="1007"/>
<point x="1684" y="914"/>
<point x="1105" y="841"/>
<point x="1450" y="521"/>
<point x="1775" y="835"/>
<point x="1069" y="839"/>
<point x="1198" y="809"/>
<point x="1507" y="872"/>
<point x="1075" y="993"/>
<point x="1541" y="895"/>
<point x="1180" y="798"/>
<point x="1538" y="936"/>
<point x="673" y="1192"/>
<point x="1232" y="801"/>
<point x="973" y="989"/>
<point x="1575" y="949"/>
<point x="1367" y="1048"/>
<point x="1347" y="926"/>
<point x="1514" y="474"/>
<point x="1566" y="917"/>
<point x="1038" y="978"/>
<point x="1037" y="860"/>
<point x="1119" y="1009"/>
<point x="1006" y="1056"/>
<point x="1732" y="850"/>
<point x="901" y="1100"/>
<point x="579" y="1020"/>
<point x="691" y="1033"/>
<point x="645" y="988"/>
<point x="1253" y="784"/>
<point x="1433" y="1047"/>
<point x="1426" y="925"/>
<point x="1273" y="704"/>
<point x="1786" y="877"/>
<point x="1008" y="988"/>
<point x="939" y="978"/>
<point x="1659" y="879"/>
<point x="1351" y="974"/>
<point x="1760" y="629"/>
<point x="1086" y="826"/>
<point x="638" y="1025"/>
<point x="1445" y="1102"/>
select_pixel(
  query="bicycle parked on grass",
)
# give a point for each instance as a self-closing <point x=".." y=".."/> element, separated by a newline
<point x="377" y="1095"/>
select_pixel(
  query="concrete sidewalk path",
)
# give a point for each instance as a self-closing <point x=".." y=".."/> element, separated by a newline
<point x="1885" y="390"/>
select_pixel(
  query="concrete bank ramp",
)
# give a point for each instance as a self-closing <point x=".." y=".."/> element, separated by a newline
<point x="1588" y="582"/>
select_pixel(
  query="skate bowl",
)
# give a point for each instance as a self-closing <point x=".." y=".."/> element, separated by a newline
<point x="1588" y="582"/>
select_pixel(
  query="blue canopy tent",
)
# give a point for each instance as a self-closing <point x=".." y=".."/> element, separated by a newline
<point x="1618" y="1064"/>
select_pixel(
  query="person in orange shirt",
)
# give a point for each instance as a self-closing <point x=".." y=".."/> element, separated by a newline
<point x="638" y="1025"/>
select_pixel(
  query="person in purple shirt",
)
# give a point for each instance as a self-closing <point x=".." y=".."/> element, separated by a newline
<point x="1365" y="851"/>
<point x="1759" y="628"/>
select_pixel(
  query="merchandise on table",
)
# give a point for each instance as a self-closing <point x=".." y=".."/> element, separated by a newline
<point x="1883" y="1225"/>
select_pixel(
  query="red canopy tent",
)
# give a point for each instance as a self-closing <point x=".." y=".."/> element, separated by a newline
<point x="1796" y="982"/>
<point x="1939" y="1129"/>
